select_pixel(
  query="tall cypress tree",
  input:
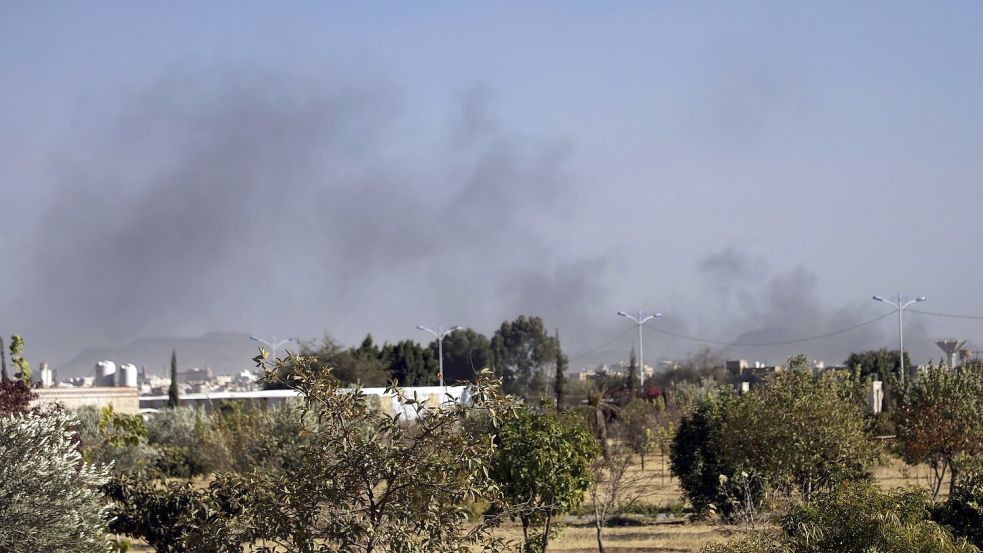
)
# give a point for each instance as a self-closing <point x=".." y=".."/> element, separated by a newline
<point x="633" y="382"/>
<point x="3" y="362"/>
<point x="173" y="394"/>
<point x="562" y="363"/>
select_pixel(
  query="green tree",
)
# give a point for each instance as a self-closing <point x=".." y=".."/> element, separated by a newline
<point x="466" y="353"/>
<point x="362" y="365"/>
<point x="543" y="466"/>
<point x="50" y="498"/>
<point x="882" y="363"/>
<point x="409" y="363"/>
<point x="173" y="392"/>
<point x="633" y="382"/>
<point x="560" y="378"/>
<point x="17" y="356"/>
<point x="4" y="375"/>
<point x="521" y="352"/>
<point x="939" y="416"/>
<point x="793" y="434"/>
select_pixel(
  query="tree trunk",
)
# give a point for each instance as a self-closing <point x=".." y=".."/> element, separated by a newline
<point x="525" y="534"/>
<point x="600" y="535"/>
<point x="546" y="531"/>
<point x="602" y="432"/>
<point x="939" y="477"/>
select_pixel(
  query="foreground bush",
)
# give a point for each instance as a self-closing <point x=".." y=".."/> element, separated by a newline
<point x="49" y="496"/>
<point x="791" y="436"/>
<point x="962" y="512"/>
<point x="855" y="518"/>
<point x="362" y="481"/>
<point x="173" y="517"/>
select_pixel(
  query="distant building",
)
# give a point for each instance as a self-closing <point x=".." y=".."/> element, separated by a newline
<point x="743" y="368"/>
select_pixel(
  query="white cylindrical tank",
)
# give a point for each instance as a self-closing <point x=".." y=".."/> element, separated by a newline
<point x="126" y="375"/>
<point x="105" y="373"/>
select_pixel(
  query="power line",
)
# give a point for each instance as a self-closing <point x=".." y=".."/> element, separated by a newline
<point x="781" y="343"/>
<point x="949" y="315"/>
<point x="605" y="344"/>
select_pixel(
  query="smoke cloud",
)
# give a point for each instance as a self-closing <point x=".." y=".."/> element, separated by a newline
<point x="249" y="199"/>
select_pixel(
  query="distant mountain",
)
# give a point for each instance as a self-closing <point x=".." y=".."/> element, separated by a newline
<point x="224" y="352"/>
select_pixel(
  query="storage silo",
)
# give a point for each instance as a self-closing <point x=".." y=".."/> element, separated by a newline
<point x="105" y="373"/>
<point x="126" y="375"/>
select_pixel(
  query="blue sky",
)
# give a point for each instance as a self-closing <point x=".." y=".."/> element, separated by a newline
<point x="608" y="151"/>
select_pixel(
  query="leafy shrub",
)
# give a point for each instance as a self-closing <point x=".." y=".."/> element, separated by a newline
<point x="363" y="481"/>
<point x="253" y="438"/>
<point x="174" y="517"/>
<point x="186" y="442"/>
<point x="115" y="439"/>
<point x="963" y="510"/>
<point x="792" y="435"/>
<point x="854" y="518"/>
<point x="49" y="496"/>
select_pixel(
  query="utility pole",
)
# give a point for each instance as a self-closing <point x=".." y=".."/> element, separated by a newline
<point x="640" y="320"/>
<point x="273" y="344"/>
<point x="440" y="334"/>
<point x="900" y="305"/>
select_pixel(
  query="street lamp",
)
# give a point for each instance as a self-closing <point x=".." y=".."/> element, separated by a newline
<point x="640" y="320"/>
<point x="900" y="305"/>
<point x="440" y="334"/>
<point x="273" y="344"/>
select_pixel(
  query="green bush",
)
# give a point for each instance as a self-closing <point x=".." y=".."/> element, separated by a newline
<point x="854" y="518"/>
<point x="187" y="443"/>
<point x="962" y="512"/>
<point x="269" y="439"/>
<point x="790" y="436"/>
<point x="120" y="440"/>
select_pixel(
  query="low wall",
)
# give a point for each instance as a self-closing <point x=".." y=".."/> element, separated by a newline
<point x="123" y="400"/>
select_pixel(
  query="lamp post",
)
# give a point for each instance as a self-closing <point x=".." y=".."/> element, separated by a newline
<point x="440" y="334"/>
<point x="900" y="305"/>
<point x="273" y="343"/>
<point x="640" y="320"/>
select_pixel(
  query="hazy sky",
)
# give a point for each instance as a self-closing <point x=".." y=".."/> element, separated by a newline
<point x="169" y="169"/>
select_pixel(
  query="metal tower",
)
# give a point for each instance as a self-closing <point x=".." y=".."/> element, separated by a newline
<point x="951" y="347"/>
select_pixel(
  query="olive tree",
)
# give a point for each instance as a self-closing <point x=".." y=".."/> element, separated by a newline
<point x="939" y="416"/>
<point x="50" y="498"/>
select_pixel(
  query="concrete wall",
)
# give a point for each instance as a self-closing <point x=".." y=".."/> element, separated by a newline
<point x="123" y="400"/>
